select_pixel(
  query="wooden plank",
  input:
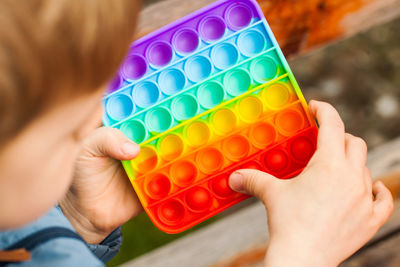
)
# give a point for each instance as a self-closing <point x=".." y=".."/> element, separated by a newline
<point x="240" y="239"/>
<point x="300" y="26"/>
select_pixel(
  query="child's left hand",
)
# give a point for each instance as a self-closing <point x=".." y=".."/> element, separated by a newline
<point x="101" y="197"/>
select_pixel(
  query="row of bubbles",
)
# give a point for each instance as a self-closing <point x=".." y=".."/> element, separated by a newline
<point x="224" y="55"/>
<point x="185" y="106"/>
<point x="198" y="99"/>
<point x="223" y="123"/>
<point x="283" y="161"/>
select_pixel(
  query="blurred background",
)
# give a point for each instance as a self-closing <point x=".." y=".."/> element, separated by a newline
<point x="360" y="76"/>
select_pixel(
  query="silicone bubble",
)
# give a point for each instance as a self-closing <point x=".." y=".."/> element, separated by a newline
<point x="220" y="186"/>
<point x="238" y="16"/>
<point x="276" y="161"/>
<point x="171" y="81"/>
<point x="184" y="107"/>
<point x="183" y="173"/>
<point x="198" y="199"/>
<point x="170" y="147"/>
<point x="276" y="96"/>
<point x="157" y="186"/>
<point x="197" y="133"/>
<point x="250" y="109"/>
<point x="145" y="94"/>
<point x="159" y="53"/>
<point x="198" y="68"/>
<point x="185" y="41"/>
<point x="253" y="165"/>
<point x="224" y="121"/>
<point x="119" y="107"/>
<point x="224" y="55"/>
<point x="210" y="94"/>
<point x="262" y="134"/>
<point x="134" y="67"/>
<point x="302" y="149"/>
<point x="251" y="43"/>
<point x="146" y="161"/>
<point x="209" y="160"/>
<point x="237" y="82"/>
<point x="134" y="130"/>
<point x="115" y="83"/>
<point x="158" y="119"/>
<point x="289" y="121"/>
<point x="263" y="69"/>
<point x="211" y="28"/>
<point x="171" y="212"/>
<point x="236" y="147"/>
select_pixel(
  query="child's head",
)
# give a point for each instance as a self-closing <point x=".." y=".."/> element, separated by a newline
<point x="56" y="57"/>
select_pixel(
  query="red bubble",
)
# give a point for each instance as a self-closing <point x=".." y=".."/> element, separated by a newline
<point x="276" y="160"/>
<point x="251" y="165"/>
<point x="171" y="212"/>
<point x="198" y="199"/>
<point x="220" y="186"/>
<point x="158" y="186"/>
<point x="302" y="149"/>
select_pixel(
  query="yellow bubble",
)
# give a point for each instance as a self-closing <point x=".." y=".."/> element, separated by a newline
<point x="276" y="96"/>
<point x="250" y="108"/>
<point x="197" y="133"/>
<point x="146" y="160"/>
<point x="224" y="121"/>
<point x="171" y="147"/>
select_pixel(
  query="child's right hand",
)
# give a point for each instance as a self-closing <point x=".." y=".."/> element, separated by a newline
<point x="330" y="210"/>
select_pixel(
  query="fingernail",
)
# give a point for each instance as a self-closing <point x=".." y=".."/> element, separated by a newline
<point x="129" y="148"/>
<point x="236" y="182"/>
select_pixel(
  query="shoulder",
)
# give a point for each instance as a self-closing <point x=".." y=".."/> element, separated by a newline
<point x="52" y="241"/>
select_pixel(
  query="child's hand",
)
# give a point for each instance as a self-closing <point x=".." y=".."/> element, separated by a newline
<point x="330" y="210"/>
<point x="101" y="197"/>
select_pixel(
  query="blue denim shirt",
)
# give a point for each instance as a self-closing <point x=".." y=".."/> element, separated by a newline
<point x="61" y="251"/>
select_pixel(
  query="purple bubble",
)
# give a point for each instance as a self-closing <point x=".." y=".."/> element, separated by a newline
<point x="212" y="28"/>
<point x="159" y="53"/>
<point x="134" y="67"/>
<point x="185" y="40"/>
<point x="238" y="16"/>
<point x="115" y="84"/>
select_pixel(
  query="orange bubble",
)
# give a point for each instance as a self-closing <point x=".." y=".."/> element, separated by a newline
<point x="262" y="134"/>
<point x="183" y="172"/>
<point x="210" y="160"/>
<point x="171" y="147"/>
<point x="289" y="122"/>
<point x="236" y="147"/>
<point x="171" y="212"/>
<point x="157" y="186"/>
<point x="146" y="160"/>
<point x="198" y="199"/>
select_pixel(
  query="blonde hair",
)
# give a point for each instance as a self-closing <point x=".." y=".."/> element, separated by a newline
<point x="53" y="48"/>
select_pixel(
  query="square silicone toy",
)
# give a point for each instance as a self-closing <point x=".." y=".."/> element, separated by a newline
<point x="204" y="96"/>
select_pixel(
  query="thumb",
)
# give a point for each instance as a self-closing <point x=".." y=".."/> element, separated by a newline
<point x="110" y="142"/>
<point x="254" y="182"/>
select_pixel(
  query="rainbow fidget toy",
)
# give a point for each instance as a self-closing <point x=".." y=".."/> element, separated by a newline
<point x="204" y="96"/>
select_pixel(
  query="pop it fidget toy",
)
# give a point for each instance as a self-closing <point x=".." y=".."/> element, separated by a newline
<point x="204" y="96"/>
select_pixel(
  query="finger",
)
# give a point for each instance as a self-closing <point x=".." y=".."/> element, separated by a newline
<point x="368" y="179"/>
<point x="356" y="150"/>
<point x="253" y="182"/>
<point x="383" y="204"/>
<point x="331" y="128"/>
<point x="110" y="142"/>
